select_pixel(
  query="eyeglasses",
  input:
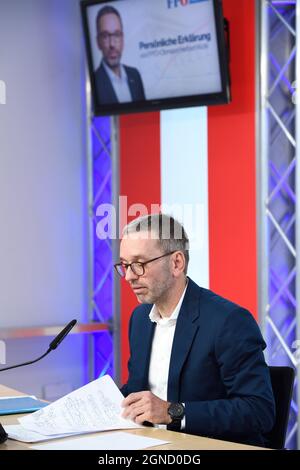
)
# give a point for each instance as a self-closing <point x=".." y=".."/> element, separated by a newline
<point x="105" y="36"/>
<point x="137" y="267"/>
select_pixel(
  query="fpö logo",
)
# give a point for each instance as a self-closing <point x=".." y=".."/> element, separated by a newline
<point x="182" y="3"/>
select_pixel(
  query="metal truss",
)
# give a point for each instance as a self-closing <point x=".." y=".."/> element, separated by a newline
<point x="277" y="172"/>
<point x="104" y="347"/>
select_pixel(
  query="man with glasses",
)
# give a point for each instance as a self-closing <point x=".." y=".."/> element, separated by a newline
<point x="115" y="83"/>
<point x="196" y="359"/>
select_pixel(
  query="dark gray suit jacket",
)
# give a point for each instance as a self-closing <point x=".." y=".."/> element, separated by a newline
<point x="217" y="367"/>
<point x="105" y="90"/>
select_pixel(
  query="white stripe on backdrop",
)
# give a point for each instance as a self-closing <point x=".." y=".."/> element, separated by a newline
<point x="184" y="180"/>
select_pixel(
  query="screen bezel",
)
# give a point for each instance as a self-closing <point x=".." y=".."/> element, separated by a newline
<point x="222" y="97"/>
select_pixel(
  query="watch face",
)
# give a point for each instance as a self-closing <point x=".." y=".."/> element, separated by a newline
<point x="176" y="410"/>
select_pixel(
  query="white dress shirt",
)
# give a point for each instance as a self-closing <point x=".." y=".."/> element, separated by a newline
<point x="161" y="351"/>
<point x="120" y="84"/>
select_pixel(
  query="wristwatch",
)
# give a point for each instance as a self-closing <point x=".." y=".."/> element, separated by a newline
<point x="176" y="412"/>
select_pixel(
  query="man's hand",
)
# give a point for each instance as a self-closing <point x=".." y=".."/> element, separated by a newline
<point x="144" y="406"/>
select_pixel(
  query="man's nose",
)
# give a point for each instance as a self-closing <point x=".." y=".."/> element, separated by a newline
<point x="112" y="41"/>
<point x="130" y="274"/>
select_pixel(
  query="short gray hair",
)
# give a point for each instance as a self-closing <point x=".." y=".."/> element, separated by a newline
<point x="106" y="10"/>
<point x="167" y="230"/>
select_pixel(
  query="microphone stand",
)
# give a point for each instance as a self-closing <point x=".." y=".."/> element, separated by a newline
<point x="53" y="345"/>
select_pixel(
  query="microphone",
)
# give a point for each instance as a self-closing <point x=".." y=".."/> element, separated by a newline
<point x="62" y="335"/>
<point x="53" y="345"/>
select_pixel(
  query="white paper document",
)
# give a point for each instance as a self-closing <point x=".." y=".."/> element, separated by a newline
<point x="111" y="441"/>
<point x="93" y="407"/>
<point x="18" y="433"/>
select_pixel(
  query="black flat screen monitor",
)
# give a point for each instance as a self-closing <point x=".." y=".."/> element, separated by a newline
<point x="146" y="55"/>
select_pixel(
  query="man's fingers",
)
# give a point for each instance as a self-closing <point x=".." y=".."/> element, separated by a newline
<point x="132" y="398"/>
<point x="133" y="410"/>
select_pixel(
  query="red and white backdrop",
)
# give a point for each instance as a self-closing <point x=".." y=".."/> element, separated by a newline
<point x="203" y="158"/>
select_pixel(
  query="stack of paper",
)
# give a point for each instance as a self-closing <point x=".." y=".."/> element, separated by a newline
<point x="93" y="407"/>
<point x="110" y="441"/>
<point x="19" y="433"/>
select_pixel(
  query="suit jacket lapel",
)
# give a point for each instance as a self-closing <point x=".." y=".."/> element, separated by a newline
<point x="186" y="328"/>
<point x="145" y="351"/>
<point x="109" y="95"/>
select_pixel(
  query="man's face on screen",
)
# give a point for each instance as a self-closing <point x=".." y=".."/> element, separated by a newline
<point x="110" y="39"/>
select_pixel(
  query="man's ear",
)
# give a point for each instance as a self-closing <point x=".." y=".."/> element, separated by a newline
<point x="178" y="263"/>
<point x="98" y="42"/>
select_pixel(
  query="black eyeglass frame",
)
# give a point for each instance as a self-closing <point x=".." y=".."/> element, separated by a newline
<point x="140" y="263"/>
